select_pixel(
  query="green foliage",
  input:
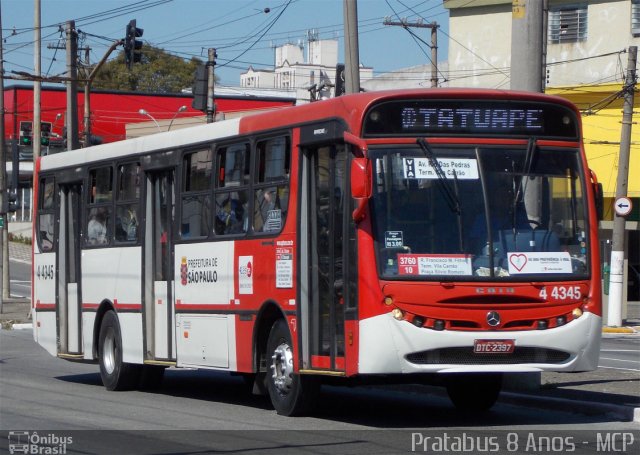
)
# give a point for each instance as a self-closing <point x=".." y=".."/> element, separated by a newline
<point x="159" y="72"/>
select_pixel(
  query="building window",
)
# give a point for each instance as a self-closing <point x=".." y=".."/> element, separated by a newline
<point x="568" y="24"/>
<point x="635" y="17"/>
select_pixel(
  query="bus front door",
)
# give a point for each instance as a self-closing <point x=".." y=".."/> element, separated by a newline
<point x="68" y="286"/>
<point x="158" y="266"/>
<point x="322" y="233"/>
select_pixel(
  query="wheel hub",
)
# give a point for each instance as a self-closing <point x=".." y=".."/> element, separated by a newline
<point x="282" y="368"/>
<point x="109" y="352"/>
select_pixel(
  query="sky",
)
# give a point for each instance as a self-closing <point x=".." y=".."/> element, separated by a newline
<point x="242" y="31"/>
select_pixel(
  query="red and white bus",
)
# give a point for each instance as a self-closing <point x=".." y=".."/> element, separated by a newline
<point x="424" y="235"/>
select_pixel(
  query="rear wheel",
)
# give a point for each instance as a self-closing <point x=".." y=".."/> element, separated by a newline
<point x="474" y="392"/>
<point x="291" y="394"/>
<point x="115" y="374"/>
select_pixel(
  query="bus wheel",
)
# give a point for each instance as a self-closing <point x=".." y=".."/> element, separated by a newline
<point x="115" y="374"/>
<point x="474" y="392"/>
<point x="291" y="394"/>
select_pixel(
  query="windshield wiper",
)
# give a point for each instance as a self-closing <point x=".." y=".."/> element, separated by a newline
<point x="450" y="195"/>
<point x="526" y="170"/>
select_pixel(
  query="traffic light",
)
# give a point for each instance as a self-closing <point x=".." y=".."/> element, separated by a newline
<point x="200" y="88"/>
<point x="45" y="133"/>
<point x="26" y="133"/>
<point x="10" y="203"/>
<point x="132" y="46"/>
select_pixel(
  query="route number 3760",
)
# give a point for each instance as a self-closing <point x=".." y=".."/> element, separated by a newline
<point x="561" y="293"/>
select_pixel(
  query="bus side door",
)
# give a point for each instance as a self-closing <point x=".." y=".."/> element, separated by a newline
<point x="159" y="311"/>
<point x="323" y="229"/>
<point x="68" y="287"/>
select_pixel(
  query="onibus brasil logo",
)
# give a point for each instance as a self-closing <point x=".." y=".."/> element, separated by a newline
<point x="34" y="443"/>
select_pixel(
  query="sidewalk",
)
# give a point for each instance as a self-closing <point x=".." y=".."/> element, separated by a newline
<point x="603" y="391"/>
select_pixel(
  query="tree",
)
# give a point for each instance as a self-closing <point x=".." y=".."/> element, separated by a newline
<point x="158" y="72"/>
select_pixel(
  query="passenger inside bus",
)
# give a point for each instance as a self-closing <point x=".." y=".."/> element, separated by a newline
<point x="97" y="227"/>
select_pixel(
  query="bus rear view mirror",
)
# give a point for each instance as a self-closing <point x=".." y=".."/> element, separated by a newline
<point x="360" y="178"/>
<point x="599" y="197"/>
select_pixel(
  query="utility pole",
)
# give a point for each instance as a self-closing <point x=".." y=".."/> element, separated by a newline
<point x="3" y="165"/>
<point x="87" y="88"/>
<point x="527" y="45"/>
<point x="87" y="102"/>
<point x="72" y="86"/>
<point x="37" y="85"/>
<point x="618" y="240"/>
<point x="211" y="105"/>
<point x="434" y="42"/>
<point x="351" y="47"/>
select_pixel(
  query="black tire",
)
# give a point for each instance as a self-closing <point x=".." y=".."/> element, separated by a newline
<point x="291" y="394"/>
<point x="151" y="377"/>
<point x="115" y="374"/>
<point x="474" y="391"/>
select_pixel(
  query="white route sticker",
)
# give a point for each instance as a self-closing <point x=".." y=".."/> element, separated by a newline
<point x="420" y="168"/>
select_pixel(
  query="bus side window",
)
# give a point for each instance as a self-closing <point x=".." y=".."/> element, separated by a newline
<point x="197" y="176"/>
<point x="127" y="203"/>
<point x="271" y="195"/>
<point x="99" y="210"/>
<point x="46" y="210"/>
<point x="232" y="193"/>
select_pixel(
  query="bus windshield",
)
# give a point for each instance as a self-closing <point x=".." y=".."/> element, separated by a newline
<point x="479" y="213"/>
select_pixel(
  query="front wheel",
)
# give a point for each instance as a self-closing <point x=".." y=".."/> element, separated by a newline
<point x="291" y="394"/>
<point x="115" y="374"/>
<point x="474" y="392"/>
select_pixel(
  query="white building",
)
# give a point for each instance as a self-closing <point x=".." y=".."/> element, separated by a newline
<point x="584" y="42"/>
<point x="292" y="71"/>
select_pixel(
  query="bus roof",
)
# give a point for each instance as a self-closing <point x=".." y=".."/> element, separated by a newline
<point x="349" y="108"/>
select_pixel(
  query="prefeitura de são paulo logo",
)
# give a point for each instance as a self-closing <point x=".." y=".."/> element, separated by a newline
<point x="183" y="270"/>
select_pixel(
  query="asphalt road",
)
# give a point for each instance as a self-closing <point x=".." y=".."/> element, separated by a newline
<point x="620" y="353"/>
<point x="43" y="393"/>
<point x="20" y="276"/>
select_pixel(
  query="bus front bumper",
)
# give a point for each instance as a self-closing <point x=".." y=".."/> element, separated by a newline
<point x="389" y="346"/>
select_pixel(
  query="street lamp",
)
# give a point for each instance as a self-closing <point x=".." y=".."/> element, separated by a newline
<point x="180" y="109"/>
<point x="144" y="112"/>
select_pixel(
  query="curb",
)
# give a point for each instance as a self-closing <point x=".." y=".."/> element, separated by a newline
<point x="625" y="413"/>
<point x="619" y="330"/>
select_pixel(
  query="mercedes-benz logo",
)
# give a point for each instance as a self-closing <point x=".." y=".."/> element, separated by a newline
<point x="493" y="318"/>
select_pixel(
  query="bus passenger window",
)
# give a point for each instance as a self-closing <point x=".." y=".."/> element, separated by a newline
<point x="232" y="194"/>
<point x="273" y="159"/>
<point x="197" y="176"/>
<point x="231" y="212"/>
<point x="101" y="182"/>
<point x="46" y="210"/>
<point x="271" y="196"/>
<point x="97" y="227"/>
<point x="127" y="203"/>
<point x="270" y="206"/>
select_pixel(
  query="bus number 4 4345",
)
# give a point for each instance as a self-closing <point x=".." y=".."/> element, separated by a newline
<point x="561" y="293"/>
<point x="45" y="272"/>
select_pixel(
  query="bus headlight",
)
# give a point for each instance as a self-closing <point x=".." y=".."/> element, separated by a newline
<point x="577" y="312"/>
<point x="398" y="314"/>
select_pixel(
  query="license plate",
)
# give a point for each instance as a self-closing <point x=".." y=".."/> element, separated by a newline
<point x="494" y="346"/>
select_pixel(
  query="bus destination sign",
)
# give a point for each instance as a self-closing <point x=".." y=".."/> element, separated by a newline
<point x="470" y="117"/>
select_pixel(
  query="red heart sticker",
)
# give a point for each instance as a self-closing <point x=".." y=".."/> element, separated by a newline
<point x="518" y="261"/>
